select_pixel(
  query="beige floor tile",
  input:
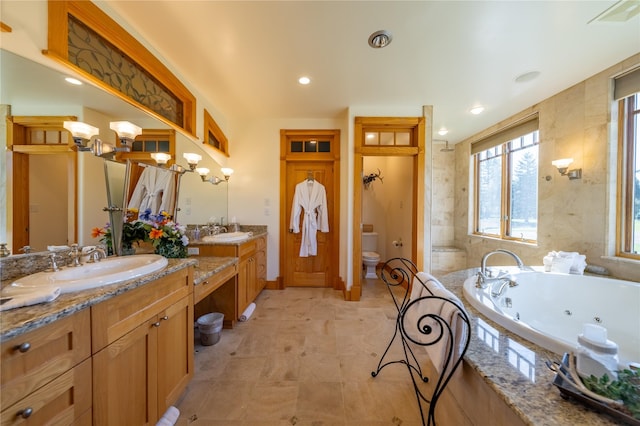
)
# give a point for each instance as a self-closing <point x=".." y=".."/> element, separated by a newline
<point x="304" y="358"/>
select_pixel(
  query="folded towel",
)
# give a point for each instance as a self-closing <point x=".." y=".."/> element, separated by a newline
<point x="449" y="312"/>
<point x="565" y="262"/>
<point x="16" y="297"/>
<point x="247" y="312"/>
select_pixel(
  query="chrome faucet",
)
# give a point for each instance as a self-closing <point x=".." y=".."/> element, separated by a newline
<point x="484" y="275"/>
<point x="74" y="255"/>
<point x="95" y="254"/>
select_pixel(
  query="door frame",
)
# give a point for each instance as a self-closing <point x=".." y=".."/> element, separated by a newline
<point x="417" y="151"/>
<point x="334" y="215"/>
<point x="19" y="148"/>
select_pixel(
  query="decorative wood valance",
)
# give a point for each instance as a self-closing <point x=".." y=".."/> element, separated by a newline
<point x="87" y="40"/>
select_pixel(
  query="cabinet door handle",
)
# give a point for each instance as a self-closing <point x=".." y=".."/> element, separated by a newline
<point x="156" y="324"/>
<point x="23" y="347"/>
<point x="26" y="413"/>
<point x="164" y="318"/>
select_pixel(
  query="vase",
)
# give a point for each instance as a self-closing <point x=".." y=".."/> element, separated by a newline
<point x="128" y="251"/>
<point x="171" y="250"/>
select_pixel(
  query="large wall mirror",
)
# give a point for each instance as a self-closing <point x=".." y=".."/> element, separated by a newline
<point x="32" y="89"/>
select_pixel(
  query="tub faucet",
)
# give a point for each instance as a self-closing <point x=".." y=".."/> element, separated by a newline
<point x="484" y="276"/>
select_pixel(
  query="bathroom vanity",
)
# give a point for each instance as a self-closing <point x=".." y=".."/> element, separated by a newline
<point x="118" y="354"/>
<point x="251" y="277"/>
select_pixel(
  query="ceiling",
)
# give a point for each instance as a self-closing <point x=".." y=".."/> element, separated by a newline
<point x="244" y="57"/>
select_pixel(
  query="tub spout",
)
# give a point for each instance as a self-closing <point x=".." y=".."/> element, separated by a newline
<point x="484" y="277"/>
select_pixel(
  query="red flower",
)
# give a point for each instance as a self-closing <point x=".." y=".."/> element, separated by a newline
<point x="155" y="233"/>
<point x="97" y="232"/>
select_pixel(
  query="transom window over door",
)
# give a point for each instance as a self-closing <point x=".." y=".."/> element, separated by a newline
<point x="506" y="183"/>
<point x="627" y="92"/>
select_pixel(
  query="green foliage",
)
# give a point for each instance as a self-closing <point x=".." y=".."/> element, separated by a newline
<point x="626" y="389"/>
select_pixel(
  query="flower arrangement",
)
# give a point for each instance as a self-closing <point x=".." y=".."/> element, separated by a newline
<point x="167" y="237"/>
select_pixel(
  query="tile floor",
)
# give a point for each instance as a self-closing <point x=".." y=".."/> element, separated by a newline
<point x="304" y="358"/>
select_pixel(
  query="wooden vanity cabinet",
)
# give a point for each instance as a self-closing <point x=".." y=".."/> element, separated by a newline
<point x="142" y="350"/>
<point x="252" y="267"/>
<point x="46" y="374"/>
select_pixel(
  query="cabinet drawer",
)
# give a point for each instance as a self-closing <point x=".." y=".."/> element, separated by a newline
<point x="63" y="401"/>
<point x="117" y="316"/>
<point x="53" y="349"/>
<point x="212" y="283"/>
<point x="246" y="249"/>
<point x="261" y="243"/>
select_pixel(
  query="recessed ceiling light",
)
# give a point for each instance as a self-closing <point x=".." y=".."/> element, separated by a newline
<point x="73" y="81"/>
<point x="304" y="80"/>
<point x="476" y="110"/>
<point x="443" y="131"/>
<point x="527" y="76"/>
<point x="380" y="39"/>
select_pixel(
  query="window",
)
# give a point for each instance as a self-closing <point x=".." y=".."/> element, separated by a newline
<point x="506" y="183"/>
<point x="629" y="177"/>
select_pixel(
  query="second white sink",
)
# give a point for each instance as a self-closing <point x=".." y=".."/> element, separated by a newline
<point x="227" y="237"/>
<point x="93" y="275"/>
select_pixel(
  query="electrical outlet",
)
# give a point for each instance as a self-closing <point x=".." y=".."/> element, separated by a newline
<point x="193" y="250"/>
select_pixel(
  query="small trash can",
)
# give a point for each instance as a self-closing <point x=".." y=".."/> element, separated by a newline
<point x="210" y="328"/>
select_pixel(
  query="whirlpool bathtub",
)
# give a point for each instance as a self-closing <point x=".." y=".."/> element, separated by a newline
<point x="550" y="309"/>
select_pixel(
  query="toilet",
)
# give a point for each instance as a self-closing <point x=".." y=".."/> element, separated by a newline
<point x="370" y="258"/>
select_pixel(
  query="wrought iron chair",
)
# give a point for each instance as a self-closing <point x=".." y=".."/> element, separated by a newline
<point x="431" y="318"/>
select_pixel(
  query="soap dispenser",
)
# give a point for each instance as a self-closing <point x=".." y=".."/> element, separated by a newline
<point x="596" y="355"/>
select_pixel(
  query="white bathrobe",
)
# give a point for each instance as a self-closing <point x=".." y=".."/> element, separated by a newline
<point x="155" y="190"/>
<point x="310" y="199"/>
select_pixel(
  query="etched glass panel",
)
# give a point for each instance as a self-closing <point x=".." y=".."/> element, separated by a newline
<point x="95" y="55"/>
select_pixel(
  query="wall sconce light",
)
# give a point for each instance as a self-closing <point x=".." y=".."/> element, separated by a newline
<point x="227" y="172"/>
<point x="192" y="160"/>
<point x="126" y="132"/>
<point x="161" y="157"/>
<point x="81" y="133"/>
<point x="215" y="180"/>
<point x="563" y="168"/>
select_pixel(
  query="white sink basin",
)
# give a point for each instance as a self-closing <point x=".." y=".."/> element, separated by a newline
<point x="93" y="275"/>
<point x="227" y="237"/>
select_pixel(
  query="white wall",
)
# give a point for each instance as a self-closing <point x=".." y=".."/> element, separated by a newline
<point x="388" y="204"/>
<point x="254" y="187"/>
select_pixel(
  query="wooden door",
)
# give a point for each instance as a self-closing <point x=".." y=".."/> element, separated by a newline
<point x="315" y="154"/>
<point x="310" y="271"/>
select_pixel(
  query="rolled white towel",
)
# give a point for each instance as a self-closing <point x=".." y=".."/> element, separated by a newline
<point x="247" y="312"/>
<point x="16" y="297"/>
<point x="170" y="417"/>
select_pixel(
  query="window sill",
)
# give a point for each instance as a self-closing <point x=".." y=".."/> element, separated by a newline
<point x="618" y="259"/>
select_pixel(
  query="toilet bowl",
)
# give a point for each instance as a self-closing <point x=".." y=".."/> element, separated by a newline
<point x="370" y="258"/>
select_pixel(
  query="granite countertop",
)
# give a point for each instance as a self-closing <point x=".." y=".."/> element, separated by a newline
<point x="515" y="368"/>
<point x="15" y="322"/>
<point x="208" y="266"/>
